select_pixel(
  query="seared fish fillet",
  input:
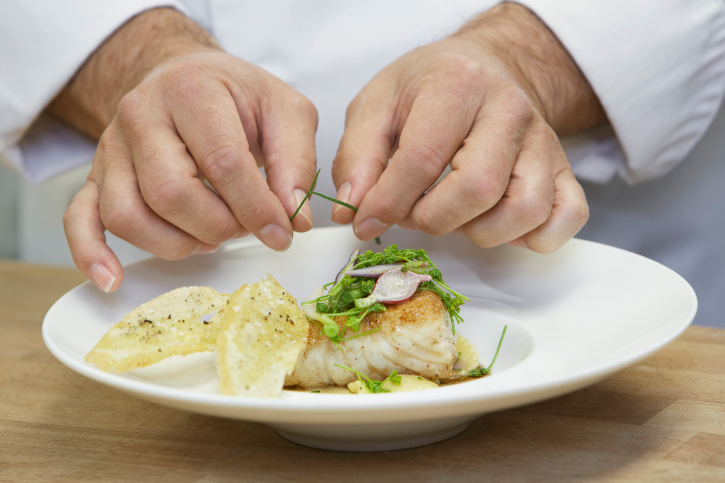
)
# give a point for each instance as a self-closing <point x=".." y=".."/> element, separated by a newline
<point x="415" y="337"/>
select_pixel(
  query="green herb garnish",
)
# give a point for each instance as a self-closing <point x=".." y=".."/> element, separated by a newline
<point x="372" y="385"/>
<point x="343" y="297"/>
<point x="419" y="262"/>
<point x="334" y="200"/>
<point x="484" y="371"/>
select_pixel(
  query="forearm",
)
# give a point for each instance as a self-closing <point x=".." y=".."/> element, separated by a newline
<point x="541" y="65"/>
<point x="88" y="102"/>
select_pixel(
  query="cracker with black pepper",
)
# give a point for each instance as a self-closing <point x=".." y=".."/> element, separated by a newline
<point x="171" y="324"/>
<point x="263" y="333"/>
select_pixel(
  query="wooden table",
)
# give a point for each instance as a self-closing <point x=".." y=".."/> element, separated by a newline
<point x="663" y="419"/>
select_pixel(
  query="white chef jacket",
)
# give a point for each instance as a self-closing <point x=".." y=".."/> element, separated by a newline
<point x="658" y="67"/>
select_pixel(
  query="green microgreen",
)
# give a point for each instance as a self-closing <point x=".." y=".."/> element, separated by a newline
<point x="349" y="296"/>
<point x="372" y="385"/>
<point x="418" y="261"/>
<point x="484" y="371"/>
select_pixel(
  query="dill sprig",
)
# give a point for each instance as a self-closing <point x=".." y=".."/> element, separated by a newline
<point x="372" y="385"/>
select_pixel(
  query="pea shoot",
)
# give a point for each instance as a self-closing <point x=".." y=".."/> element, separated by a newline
<point x="372" y="385"/>
<point x="348" y="297"/>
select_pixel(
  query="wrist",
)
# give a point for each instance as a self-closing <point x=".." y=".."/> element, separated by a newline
<point x="89" y="100"/>
<point x="539" y="63"/>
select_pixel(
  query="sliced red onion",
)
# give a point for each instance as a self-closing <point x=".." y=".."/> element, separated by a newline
<point x="394" y="286"/>
<point x="349" y="264"/>
<point x="373" y="272"/>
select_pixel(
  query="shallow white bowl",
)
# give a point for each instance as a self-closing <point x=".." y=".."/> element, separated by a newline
<point x="574" y="317"/>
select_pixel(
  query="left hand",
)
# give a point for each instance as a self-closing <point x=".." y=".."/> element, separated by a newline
<point x="477" y="103"/>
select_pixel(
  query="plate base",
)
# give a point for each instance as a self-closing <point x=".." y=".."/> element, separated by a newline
<point x="373" y="437"/>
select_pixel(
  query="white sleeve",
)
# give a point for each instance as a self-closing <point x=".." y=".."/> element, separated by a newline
<point x="658" y="68"/>
<point x="44" y="43"/>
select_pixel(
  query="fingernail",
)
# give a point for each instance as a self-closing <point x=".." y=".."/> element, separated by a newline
<point x="342" y="194"/>
<point x="370" y="228"/>
<point x="275" y="237"/>
<point x="102" y="277"/>
<point x="305" y="211"/>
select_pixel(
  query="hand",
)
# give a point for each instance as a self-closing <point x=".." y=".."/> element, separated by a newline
<point x="482" y="102"/>
<point x="199" y="115"/>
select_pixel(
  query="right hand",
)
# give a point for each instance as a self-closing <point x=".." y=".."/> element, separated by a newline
<point x="204" y="116"/>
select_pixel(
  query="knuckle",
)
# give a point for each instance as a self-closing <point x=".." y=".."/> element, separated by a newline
<point x="305" y="109"/>
<point x="386" y="208"/>
<point x="576" y="214"/>
<point x="477" y="235"/>
<point x="178" y="248"/>
<point x="519" y="108"/>
<point x="254" y="216"/>
<point x="119" y="218"/>
<point x="129" y="111"/>
<point x="220" y="231"/>
<point x="427" y="222"/>
<point x="483" y="191"/>
<point x="165" y="195"/>
<point x="183" y="77"/>
<point x="354" y="106"/>
<point x="428" y="161"/>
<point x="220" y="161"/>
<point x="461" y="75"/>
<point x="532" y="209"/>
<point x="71" y="213"/>
<point x="460" y="68"/>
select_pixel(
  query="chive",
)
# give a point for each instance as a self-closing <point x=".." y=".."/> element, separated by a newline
<point x="314" y="182"/>
<point x="335" y="200"/>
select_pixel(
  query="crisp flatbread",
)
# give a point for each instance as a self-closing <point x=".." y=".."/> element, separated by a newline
<point x="171" y="324"/>
<point x="263" y="332"/>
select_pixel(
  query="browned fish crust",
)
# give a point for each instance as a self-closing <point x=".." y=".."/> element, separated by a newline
<point x="415" y="337"/>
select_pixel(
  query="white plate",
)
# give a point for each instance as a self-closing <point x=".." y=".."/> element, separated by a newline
<point x="574" y="317"/>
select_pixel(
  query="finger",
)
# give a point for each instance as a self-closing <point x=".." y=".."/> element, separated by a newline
<point x="479" y="174"/>
<point x="209" y="123"/>
<point x="87" y="241"/>
<point x="425" y="148"/>
<point x="568" y="215"/>
<point x="529" y="197"/>
<point x="124" y="211"/>
<point x="169" y="180"/>
<point x="289" y="152"/>
<point x="365" y="147"/>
